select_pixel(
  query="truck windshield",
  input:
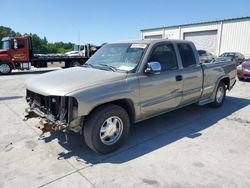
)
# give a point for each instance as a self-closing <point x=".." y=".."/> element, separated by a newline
<point x="120" y="56"/>
<point x="5" y="44"/>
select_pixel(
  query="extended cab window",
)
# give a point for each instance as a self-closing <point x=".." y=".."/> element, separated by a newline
<point x="165" y="55"/>
<point x="187" y="55"/>
<point x="20" y="44"/>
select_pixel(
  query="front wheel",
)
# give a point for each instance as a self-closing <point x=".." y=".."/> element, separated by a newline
<point x="5" y="68"/>
<point x="241" y="79"/>
<point x="106" y="129"/>
<point x="219" y="96"/>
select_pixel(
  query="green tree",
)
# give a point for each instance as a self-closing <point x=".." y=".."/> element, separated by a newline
<point x="40" y="45"/>
<point x="4" y="32"/>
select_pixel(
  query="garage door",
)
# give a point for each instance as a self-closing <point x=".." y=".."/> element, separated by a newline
<point x="204" y="40"/>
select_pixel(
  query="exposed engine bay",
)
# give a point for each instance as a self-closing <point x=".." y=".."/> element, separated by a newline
<point x="56" y="113"/>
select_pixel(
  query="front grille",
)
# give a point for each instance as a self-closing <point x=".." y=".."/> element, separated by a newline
<point x="56" y="107"/>
<point x="49" y="105"/>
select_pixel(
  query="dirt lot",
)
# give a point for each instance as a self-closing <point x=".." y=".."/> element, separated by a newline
<point x="191" y="147"/>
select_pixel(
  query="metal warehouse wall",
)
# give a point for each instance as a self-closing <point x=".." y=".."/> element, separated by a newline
<point x="232" y="35"/>
<point x="236" y="37"/>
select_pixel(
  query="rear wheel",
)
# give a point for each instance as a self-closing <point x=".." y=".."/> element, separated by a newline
<point x="106" y="129"/>
<point x="219" y="96"/>
<point x="5" y="68"/>
<point x="75" y="64"/>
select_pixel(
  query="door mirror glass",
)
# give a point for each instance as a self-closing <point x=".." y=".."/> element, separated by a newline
<point x="15" y="43"/>
<point x="153" y="68"/>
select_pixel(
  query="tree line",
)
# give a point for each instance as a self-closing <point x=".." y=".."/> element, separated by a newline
<point x="40" y="45"/>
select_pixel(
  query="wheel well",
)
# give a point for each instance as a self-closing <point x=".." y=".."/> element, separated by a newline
<point x="226" y="81"/>
<point x="127" y="104"/>
<point x="11" y="64"/>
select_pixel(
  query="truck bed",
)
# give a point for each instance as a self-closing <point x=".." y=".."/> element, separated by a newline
<point x="56" y="57"/>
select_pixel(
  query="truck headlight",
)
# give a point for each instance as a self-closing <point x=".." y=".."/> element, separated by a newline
<point x="75" y="112"/>
<point x="72" y="109"/>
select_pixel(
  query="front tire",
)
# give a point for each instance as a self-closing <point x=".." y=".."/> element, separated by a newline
<point x="106" y="129"/>
<point x="5" y="68"/>
<point x="241" y="79"/>
<point x="219" y="96"/>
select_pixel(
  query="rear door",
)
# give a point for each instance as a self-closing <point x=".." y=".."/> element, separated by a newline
<point x="192" y="74"/>
<point x="161" y="92"/>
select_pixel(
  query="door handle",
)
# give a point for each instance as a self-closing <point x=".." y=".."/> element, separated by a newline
<point x="178" y="78"/>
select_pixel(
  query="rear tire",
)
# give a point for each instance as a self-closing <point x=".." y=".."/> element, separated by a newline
<point x="219" y="96"/>
<point x="5" y="68"/>
<point x="106" y="129"/>
<point x="75" y="64"/>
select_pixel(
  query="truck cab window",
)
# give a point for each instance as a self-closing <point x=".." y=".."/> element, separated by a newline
<point x="165" y="55"/>
<point x="187" y="55"/>
<point x="20" y="44"/>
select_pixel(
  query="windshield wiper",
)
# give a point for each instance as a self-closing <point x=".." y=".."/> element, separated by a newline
<point x="88" y="65"/>
<point x="109" y="67"/>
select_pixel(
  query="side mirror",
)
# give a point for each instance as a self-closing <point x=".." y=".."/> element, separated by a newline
<point x="15" y="44"/>
<point x="153" y="68"/>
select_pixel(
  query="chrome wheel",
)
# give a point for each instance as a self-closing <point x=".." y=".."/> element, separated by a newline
<point x="5" y="68"/>
<point x="111" y="130"/>
<point x="220" y="94"/>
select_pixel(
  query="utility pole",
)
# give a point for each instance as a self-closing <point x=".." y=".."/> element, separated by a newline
<point x="79" y="41"/>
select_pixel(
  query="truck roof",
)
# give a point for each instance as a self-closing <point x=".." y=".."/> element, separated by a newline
<point x="150" y="41"/>
<point x="6" y="38"/>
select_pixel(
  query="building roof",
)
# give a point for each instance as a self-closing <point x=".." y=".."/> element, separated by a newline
<point x="208" y="22"/>
<point x="149" y="41"/>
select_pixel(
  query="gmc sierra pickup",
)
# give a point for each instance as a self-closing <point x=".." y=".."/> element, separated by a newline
<point x="124" y="83"/>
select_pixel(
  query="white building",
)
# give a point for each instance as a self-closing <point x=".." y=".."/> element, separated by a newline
<point x="217" y="37"/>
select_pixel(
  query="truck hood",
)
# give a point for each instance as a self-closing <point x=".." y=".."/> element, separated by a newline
<point x="65" y="81"/>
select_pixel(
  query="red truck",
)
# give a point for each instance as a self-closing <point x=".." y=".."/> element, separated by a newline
<point x="17" y="53"/>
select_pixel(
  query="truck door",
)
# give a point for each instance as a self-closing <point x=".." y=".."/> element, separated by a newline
<point x="161" y="92"/>
<point x="20" y="50"/>
<point x="192" y="74"/>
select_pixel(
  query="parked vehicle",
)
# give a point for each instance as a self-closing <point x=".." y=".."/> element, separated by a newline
<point x="84" y="50"/>
<point x="16" y="53"/>
<point x="206" y="57"/>
<point x="124" y="83"/>
<point x="243" y="70"/>
<point x="236" y="56"/>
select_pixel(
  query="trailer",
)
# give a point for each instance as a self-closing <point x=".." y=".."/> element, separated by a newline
<point x="17" y="53"/>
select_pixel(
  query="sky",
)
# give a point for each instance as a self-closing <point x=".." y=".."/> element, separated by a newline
<point x="99" y="21"/>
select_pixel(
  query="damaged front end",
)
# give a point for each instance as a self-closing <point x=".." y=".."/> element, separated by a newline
<point x="56" y="113"/>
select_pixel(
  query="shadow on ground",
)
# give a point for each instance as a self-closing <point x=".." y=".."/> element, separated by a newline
<point x="152" y="134"/>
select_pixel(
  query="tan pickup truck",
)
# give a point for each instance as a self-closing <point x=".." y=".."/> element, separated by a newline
<point x="124" y="83"/>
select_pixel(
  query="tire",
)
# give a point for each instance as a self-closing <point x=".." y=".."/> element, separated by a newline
<point x="103" y="123"/>
<point x="241" y="79"/>
<point x="5" y="68"/>
<point x="75" y="64"/>
<point x="219" y="96"/>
